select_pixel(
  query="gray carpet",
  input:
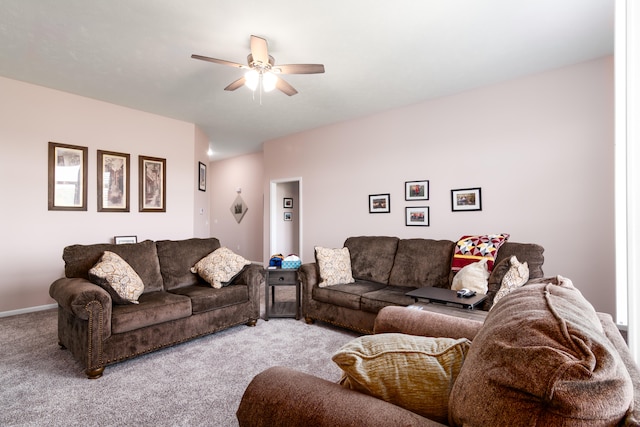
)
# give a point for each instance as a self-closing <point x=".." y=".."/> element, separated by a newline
<point x="199" y="383"/>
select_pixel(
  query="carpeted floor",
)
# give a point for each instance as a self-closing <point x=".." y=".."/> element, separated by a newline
<point x="199" y="383"/>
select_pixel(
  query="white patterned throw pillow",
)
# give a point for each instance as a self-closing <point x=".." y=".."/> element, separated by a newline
<point x="116" y="276"/>
<point x="220" y="267"/>
<point x="472" y="276"/>
<point x="334" y="266"/>
<point x="515" y="277"/>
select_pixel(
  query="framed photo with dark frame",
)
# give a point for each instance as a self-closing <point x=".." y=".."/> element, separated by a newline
<point x="466" y="199"/>
<point x="152" y="177"/>
<point x="121" y="240"/>
<point x="67" y="177"/>
<point x="202" y="176"/>
<point x="113" y="181"/>
<point x="380" y="203"/>
<point x="416" y="190"/>
<point x="287" y="203"/>
<point x="417" y="216"/>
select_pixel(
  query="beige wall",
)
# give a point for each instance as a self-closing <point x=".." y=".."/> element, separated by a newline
<point x="32" y="236"/>
<point x="541" y="149"/>
<point x="226" y="176"/>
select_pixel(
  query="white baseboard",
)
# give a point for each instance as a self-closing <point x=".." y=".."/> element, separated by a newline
<point x="27" y="310"/>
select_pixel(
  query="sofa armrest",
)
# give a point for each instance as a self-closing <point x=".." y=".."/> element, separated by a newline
<point x="308" y="275"/>
<point x="75" y="295"/>
<point x="424" y="323"/>
<point x="280" y="397"/>
<point x="253" y="276"/>
<point x="614" y="336"/>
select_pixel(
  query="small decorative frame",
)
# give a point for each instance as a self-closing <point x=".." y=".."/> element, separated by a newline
<point x="417" y="216"/>
<point x="121" y="240"/>
<point x="67" y="177"/>
<point x="152" y="177"/>
<point x="379" y="203"/>
<point x="466" y="199"/>
<point x="416" y="190"/>
<point x="287" y="216"/>
<point x="202" y="176"/>
<point x="113" y="181"/>
<point x="238" y="209"/>
<point x="287" y="203"/>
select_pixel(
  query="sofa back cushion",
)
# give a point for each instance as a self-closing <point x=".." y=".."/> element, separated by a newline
<point x="530" y="253"/>
<point x="542" y="359"/>
<point x="178" y="256"/>
<point x="372" y="257"/>
<point x="422" y="262"/>
<point x="142" y="257"/>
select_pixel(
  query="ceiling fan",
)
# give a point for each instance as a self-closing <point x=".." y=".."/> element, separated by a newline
<point x="262" y="71"/>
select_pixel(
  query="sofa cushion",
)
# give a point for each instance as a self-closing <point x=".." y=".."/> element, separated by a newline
<point x="422" y="262"/>
<point x="542" y="358"/>
<point x="375" y="301"/>
<point x="345" y="295"/>
<point x="220" y="267"/>
<point x="473" y="277"/>
<point x="416" y="373"/>
<point x="516" y="276"/>
<point x="154" y="308"/>
<point x="142" y="257"/>
<point x="470" y="249"/>
<point x="205" y="298"/>
<point x="372" y="257"/>
<point x="113" y="274"/>
<point x="334" y="266"/>
<point x="530" y="253"/>
<point x="176" y="258"/>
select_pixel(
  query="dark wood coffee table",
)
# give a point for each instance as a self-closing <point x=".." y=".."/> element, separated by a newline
<point x="446" y="296"/>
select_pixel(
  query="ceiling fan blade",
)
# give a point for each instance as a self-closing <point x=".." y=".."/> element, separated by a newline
<point x="285" y="87"/>
<point x="299" y="69"/>
<point x="236" y="84"/>
<point x="218" y="61"/>
<point x="259" y="49"/>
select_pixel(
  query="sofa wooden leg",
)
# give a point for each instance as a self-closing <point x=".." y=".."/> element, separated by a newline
<point x="62" y="346"/>
<point x="308" y="320"/>
<point x="252" y="322"/>
<point x="94" y="374"/>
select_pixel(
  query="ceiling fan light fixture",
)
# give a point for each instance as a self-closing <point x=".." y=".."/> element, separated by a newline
<point x="269" y="81"/>
<point x="252" y="78"/>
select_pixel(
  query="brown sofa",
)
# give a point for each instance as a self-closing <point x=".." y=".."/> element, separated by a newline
<point x="386" y="268"/>
<point x="543" y="357"/>
<point x="175" y="306"/>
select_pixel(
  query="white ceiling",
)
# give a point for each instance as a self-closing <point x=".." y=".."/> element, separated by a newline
<point x="378" y="54"/>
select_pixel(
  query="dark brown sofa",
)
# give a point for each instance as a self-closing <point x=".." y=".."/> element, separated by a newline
<point x="543" y="357"/>
<point x="386" y="268"/>
<point x="175" y="306"/>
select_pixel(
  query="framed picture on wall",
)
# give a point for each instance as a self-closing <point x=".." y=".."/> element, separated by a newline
<point x="113" y="182"/>
<point x="466" y="199"/>
<point x="287" y="203"/>
<point x="67" y="177"/>
<point x="287" y="216"/>
<point x="152" y="177"/>
<point x="379" y="203"/>
<point x="417" y="216"/>
<point x="416" y="190"/>
<point x="202" y="176"/>
<point x="121" y="240"/>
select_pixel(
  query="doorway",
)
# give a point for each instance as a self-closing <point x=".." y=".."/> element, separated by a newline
<point x="286" y="217"/>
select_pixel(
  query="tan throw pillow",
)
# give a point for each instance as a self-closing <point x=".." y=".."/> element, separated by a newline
<point x="516" y="276"/>
<point x="473" y="276"/>
<point x="416" y="373"/>
<point x="220" y="267"/>
<point x="334" y="266"/>
<point x="542" y="358"/>
<point x="118" y="278"/>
